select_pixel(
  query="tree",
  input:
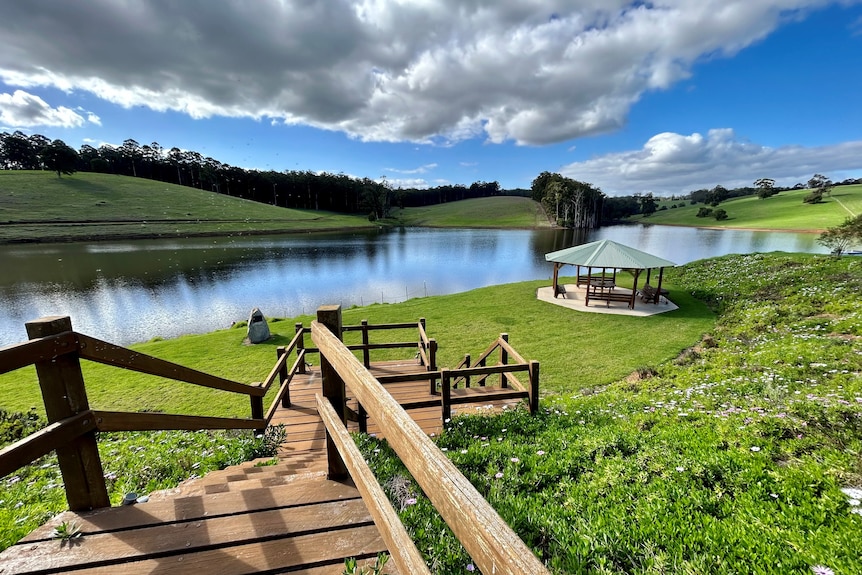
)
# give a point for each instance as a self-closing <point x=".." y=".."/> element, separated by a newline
<point x="819" y="181"/>
<point x="60" y="158"/>
<point x="815" y="197"/>
<point x="765" y="188"/>
<point x="720" y="214"/>
<point x="17" y="152"/>
<point x="648" y="205"/>
<point x="717" y="195"/>
<point x="840" y="238"/>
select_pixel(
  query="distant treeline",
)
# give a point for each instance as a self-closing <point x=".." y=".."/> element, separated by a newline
<point x="290" y="188"/>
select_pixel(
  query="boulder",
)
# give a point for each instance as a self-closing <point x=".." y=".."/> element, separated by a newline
<point x="258" y="329"/>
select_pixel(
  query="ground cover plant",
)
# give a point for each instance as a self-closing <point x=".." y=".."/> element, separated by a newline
<point x="785" y="211"/>
<point x="38" y="206"/>
<point x="742" y="455"/>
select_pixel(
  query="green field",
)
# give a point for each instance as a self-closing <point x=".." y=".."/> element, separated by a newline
<point x="785" y="211"/>
<point x="496" y="212"/>
<point x="39" y="206"/>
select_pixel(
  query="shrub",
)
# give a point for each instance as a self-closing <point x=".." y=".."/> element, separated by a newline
<point x="704" y="213"/>
<point x="720" y="214"/>
<point x="815" y="197"/>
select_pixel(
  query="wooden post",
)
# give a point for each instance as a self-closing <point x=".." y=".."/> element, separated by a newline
<point x="446" y="395"/>
<point x="534" y="386"/>
<point x="432" y="354"/>
<point x="658" y="289"/>
<point x="333" y="388"/>
<point x="504" y="359"/>
<point x="257" y="411"/>
<point x="64" y="395"/>
<point x="366" y="354"/>
<point x="282" y="376"/>
<point x="467" y="364"/>
<point x="556" y="277"/>
<point x="300" y="345"/>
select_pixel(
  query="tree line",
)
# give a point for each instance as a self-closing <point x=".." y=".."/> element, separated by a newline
<point x="290" y="188"/>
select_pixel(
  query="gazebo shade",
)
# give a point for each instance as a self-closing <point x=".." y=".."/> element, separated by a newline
<point x="607" y="254"/>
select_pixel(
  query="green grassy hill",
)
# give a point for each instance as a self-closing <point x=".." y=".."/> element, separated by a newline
<point x="39" y="206"/>
<point x="496" y="212"/>
<point x="786" y="211"/>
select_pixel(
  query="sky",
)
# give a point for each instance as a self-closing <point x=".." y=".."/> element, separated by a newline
<point x="660" y="97"/>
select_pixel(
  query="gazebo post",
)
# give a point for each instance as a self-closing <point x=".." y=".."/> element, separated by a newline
<point x="635" y="287"/>
<point x="658" y="289"/>
<point x="556" y="276"/>
<point x="587" y="296"/>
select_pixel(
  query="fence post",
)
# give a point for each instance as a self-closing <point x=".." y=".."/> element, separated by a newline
<point x="504" y="359"/>
<point x="64" y="395"/>
<point x="282" y="376"/>
<point x="366" y="355"/>
<point x="446" y="394"/>
<point x="333" y="389"/>
<point x="257" y="411"/>
<point x="300" y="345"/>
<point x="534" y="386"/>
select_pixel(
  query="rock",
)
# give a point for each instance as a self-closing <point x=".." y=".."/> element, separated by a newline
<point x="258" y="329"/>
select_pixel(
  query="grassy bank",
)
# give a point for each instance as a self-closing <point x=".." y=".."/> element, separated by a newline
<point x="786" y="211"/>
<point x="742" y="455"/>
<point x="496" y="212"/>
<point x="39" y="206"/>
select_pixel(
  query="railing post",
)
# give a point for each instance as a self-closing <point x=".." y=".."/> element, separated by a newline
<point x="446" y="394"/>
<point x="282" y="376"/>
<point x="432" y="354"/>
<point x="467" y="364"/>
<point x="366" y="354"/>
<point x="333" y="388"/>
<point x="300" y="345"/>
<point x="504" y="359"/>
<point x="534" y="386"/>
<point x="64" y="395"/>
<point x="257" y="411"/>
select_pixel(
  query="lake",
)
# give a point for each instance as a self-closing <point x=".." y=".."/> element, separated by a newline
<point x="130" y="291"/>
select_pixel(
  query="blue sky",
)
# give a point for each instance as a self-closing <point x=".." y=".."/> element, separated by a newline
<point x="634" y="97"/>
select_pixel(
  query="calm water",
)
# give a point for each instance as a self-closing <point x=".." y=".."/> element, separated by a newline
<point x="132" y="291"/>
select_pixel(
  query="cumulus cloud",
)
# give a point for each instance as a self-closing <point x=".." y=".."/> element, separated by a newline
<point x="382" y="70"/>
<point x="23" y="110"/>
<point x="671" y="163"/>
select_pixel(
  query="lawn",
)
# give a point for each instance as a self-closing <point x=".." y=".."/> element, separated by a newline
<point x="39" y="206"/>
<point x="495" y="212"/>
<point x="785" y="211"/>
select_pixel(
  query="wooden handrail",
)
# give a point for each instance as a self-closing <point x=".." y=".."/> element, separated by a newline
<point x="124" y="421"/>
<point x="511" y="350"/>
<point x="30" y="448"/>
<point x="402" y="549"/>
<point x="20" y="355"/>
<point x="114" y="355"/>
<point x="492" y="544"/>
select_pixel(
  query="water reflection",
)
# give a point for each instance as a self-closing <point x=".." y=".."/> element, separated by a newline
<point x="133" y="291"/>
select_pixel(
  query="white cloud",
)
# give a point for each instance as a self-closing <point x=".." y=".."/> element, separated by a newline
<point x="671" y="163"/>
<point x="436" y="71"/>
<point x="21" y="110"/>
<point x="420" y="170"/>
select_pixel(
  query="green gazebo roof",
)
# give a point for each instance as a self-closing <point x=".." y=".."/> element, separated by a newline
<point x="607" y="254"/>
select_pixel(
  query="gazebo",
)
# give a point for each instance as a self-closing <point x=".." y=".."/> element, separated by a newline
<point x="609" y="255"/>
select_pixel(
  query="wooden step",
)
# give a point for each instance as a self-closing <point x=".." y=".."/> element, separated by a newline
<point x="311" y="524"/>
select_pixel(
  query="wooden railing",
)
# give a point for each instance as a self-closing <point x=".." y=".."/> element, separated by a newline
<point x="491" y="543"/>
<point x="426" y="348"/>
<point x="56" y="350"/>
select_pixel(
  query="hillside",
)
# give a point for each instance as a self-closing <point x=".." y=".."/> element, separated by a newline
<point x="785" y="211"/>
<point x="494" y="212"/>
<point x="39" y="206"/>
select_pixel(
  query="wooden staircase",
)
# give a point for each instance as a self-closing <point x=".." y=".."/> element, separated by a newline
<point x="243" y="519"/>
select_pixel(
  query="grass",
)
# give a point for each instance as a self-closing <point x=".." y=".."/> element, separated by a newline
<point x="39" y="206"/>
<point x="495" y="212"/>
<point x="786" y="211"/>
<point x="575" y="349"/>
<point x="657" y="449"/>
<point x="740" y="456"/>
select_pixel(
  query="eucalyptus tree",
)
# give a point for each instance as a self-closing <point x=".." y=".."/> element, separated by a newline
<point x="60" y="158"/>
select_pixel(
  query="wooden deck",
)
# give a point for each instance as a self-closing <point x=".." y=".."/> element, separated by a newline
<point x="284" y="518"/>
